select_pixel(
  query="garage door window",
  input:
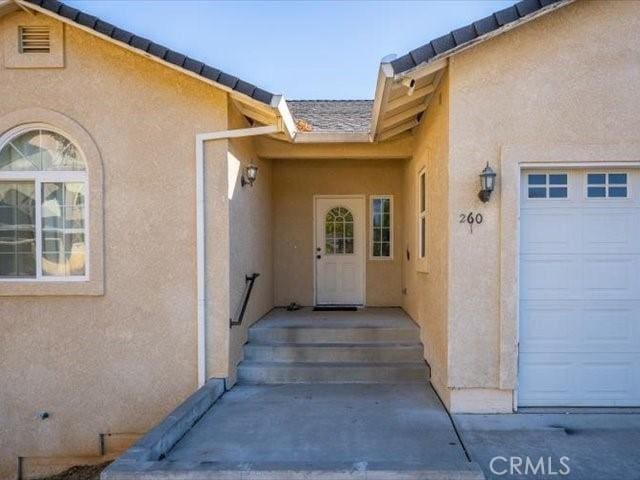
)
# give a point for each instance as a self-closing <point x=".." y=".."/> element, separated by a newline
<point x="607" y="185"/>
<point x="542" y="185"/>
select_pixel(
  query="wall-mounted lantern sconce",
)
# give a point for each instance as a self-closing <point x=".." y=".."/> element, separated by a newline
<point x="249" y="175"/>
<point x="487" y="183"/>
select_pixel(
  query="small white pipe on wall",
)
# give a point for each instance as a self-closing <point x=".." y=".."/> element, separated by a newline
<point x="201" y="309"/>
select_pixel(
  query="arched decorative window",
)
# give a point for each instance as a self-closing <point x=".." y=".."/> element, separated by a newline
<point x="43" y="207"/>
<point x="338" y="228"/>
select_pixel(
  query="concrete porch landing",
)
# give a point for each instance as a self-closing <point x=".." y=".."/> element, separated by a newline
<point x="315" y="424"/>
<point x="337" y="395"/>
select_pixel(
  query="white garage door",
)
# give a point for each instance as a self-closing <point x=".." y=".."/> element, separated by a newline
<point x="580" y="288"/>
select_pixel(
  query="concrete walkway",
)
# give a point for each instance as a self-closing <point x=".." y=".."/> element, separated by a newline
<point x="597" y="446"/>
<point x="324" y="423"/>
<point x="302" y="432"/>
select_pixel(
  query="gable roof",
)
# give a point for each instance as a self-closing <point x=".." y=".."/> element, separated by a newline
<point x="406" y="84"/>
<point x="404" y="88"/>
<point x="155" y="50"/>
<point x="446" y="44"/>
<point x="332" y="115"/>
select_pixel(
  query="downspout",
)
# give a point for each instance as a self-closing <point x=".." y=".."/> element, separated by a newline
<point x="201" y="313"/>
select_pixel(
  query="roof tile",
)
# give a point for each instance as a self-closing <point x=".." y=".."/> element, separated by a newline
<point x="157" y="50"/>
<point x="227" y="80"/>
<point x="86" y="20"/>
<point x="210" y="73"/>
<point x="525" y="7"/>
<point x="422" y="54"/>
<point x="104" y="28"/>
<point x="193" y="65"/>
<point x="245" y="87"/>
<point x="140" y="43"/>
<point x="69" y="12"/>
<point x="403" y="63"/>
<point x="486" y="25"/>
<point x="507" y="15"/>
<point x="464" y="34"/>
<point x="121" y="35"/>
<point x="175" y="58"/>
<point x="52" y="5"/>
<point x="262" y="95"/>
<point x="443" y="43"/>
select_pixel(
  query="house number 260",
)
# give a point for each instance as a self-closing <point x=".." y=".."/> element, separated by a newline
<point x="471" y="218"/>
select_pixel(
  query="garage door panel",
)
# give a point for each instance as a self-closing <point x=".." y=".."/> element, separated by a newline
<point x="579" y="379"/>
<point x="610" y="277"/>
<point x="610" y="231"/>
<point x="546" y="230"/>
<point x="579" y="280"/>
<point x="620" y="333"/>
<point x="579" y="327"/>
<point x="546" y="327"/>
<point x="544" y="277"/>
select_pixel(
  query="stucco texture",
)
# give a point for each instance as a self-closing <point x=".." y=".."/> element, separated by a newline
<point x="426" y="282"/>
<point x="295" y="182"/>
<point x="570" y="78"/>
<point x="250" y="231"/>
<point x="119" y="361"/>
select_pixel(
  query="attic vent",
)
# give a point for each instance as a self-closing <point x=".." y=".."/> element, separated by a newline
<point x="35" y="39"/>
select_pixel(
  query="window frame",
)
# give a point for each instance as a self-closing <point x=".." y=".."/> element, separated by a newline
<point x="49" y="176"/>
<point x="422" y="254"/>
<point x="606" y="185"/>
<point x="547" y="186"/>
<point x="372" y="198"/>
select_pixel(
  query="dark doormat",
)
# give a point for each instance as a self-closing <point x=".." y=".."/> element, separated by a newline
<point x="335" y="309"/>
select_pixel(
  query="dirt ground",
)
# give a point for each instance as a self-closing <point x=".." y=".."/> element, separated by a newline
<point x="80" y="472"/>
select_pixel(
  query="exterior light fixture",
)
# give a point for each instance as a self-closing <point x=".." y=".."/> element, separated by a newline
<point x="487" y="183"/>
<point x="249" y="176"/>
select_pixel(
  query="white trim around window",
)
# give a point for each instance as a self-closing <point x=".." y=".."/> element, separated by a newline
<point x="381" y="227"/>
<point x="39" y="178"/>
<point x="422" y="219"/>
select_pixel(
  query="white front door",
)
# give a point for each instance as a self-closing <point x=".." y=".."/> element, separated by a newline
<point x="580" y="288"/>
<point x="339" y="250"/>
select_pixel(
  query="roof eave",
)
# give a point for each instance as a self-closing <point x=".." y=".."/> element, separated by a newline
<point x="277" y="104"/>
<point x="387" y="77"/>
<point x="416" y="71"/>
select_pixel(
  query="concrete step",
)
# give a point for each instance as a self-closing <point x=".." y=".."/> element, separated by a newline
<point x="332" y="335"/>
<point x="334" y="352"/>
<point x="250" y="372"/>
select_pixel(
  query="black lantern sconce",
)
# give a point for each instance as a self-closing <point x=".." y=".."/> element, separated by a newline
<point x="487" y="183"/>
<point x="249" y="175"/>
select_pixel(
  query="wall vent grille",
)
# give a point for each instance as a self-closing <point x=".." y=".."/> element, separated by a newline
<point x="35" y="39"/>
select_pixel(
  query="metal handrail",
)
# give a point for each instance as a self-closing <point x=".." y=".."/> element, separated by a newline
<point x="249" y="281"/>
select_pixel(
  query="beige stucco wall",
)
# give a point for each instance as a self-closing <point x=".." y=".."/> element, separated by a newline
<point x="250" y="230"/>
<point x="295" y="182"/>
<point x="119" y="361"/>
<point x="426" y="284"/>
<point x="570" y="78"/>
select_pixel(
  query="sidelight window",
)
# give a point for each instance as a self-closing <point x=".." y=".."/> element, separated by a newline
<point x="381" y="233"/>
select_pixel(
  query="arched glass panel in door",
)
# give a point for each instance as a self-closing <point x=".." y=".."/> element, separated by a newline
<point x="43" y="182"/>
<point x="338" y="231"/>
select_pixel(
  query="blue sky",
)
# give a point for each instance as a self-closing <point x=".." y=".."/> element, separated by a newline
<point x="311" y="49"/>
